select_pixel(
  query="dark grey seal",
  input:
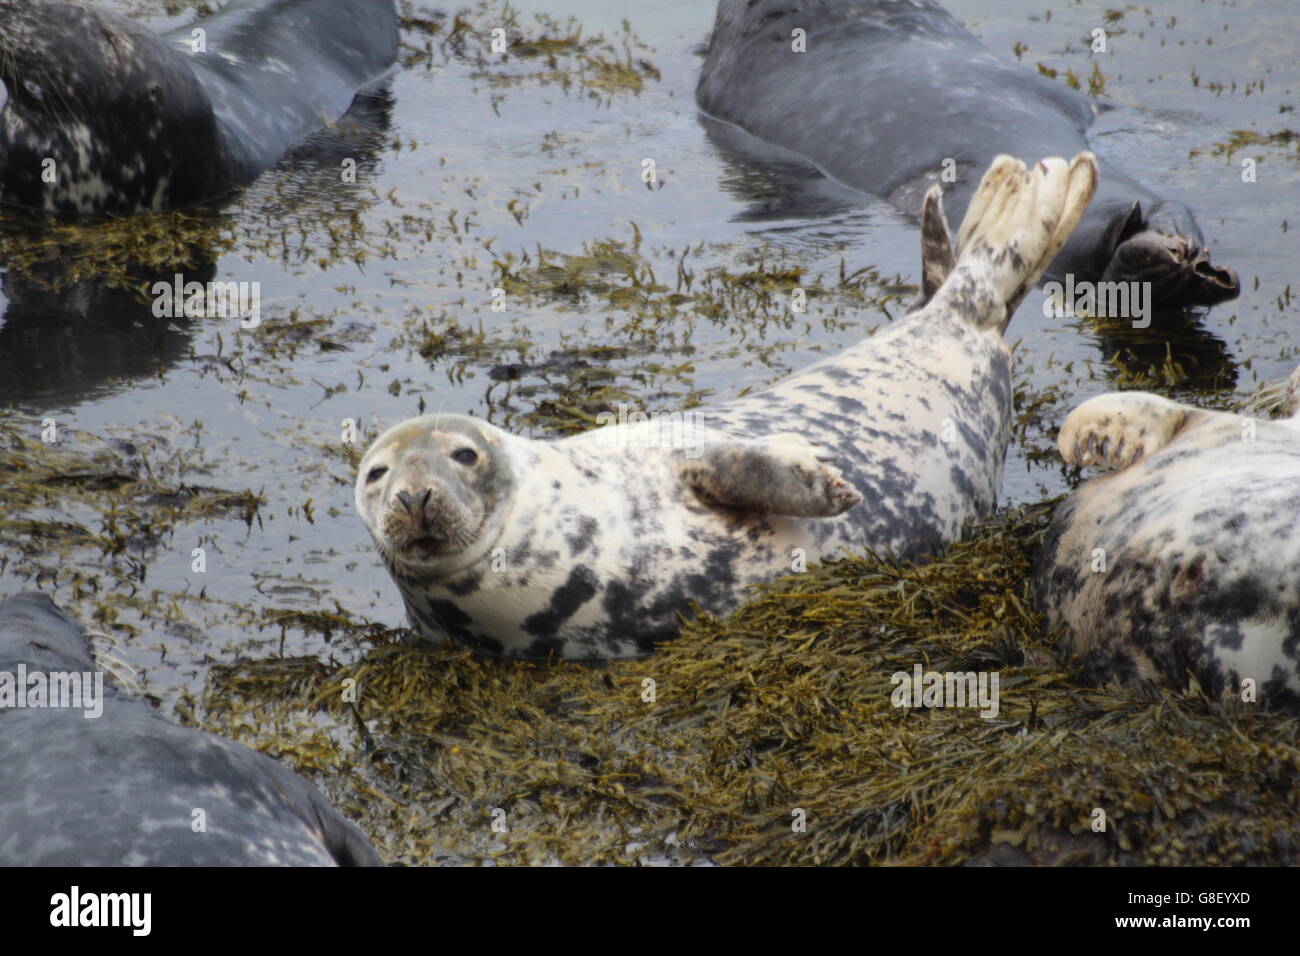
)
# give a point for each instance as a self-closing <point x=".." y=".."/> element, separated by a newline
<point x="121" y="788"/>
<point x="889" y="89"/>
<point x="104" y="115"/>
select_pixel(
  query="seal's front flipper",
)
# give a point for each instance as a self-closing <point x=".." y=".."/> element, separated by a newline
<point x="783" y="475"/>
<point x="1118" y="429"/>
<point x="937" y="259"/>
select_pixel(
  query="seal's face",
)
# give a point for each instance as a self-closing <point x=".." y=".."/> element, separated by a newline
<point x="434" y="492"/>
<point x="1165" y="248"/>
<point x="101" y="114"/>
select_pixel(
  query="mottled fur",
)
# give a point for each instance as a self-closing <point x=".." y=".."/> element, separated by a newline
<point x="594" y="546"/>
<point x="137" y="122"/>
<point x="1200" y="532"/>
<point x="121" y="789"/>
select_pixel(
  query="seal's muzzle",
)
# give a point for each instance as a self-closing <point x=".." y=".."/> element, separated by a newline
<point x="1180" y="273"/>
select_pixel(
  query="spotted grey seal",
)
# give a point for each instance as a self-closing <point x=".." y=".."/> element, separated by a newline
<point x="1186" y="558"/>
<point x="103" y="115"/>
<point x="594" y="545"/>
<point x="885" y="91"/>
<point x="121" y="788"/>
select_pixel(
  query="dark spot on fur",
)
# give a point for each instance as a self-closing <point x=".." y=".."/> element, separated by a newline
<point x="580" y="588"/>
<point x="581" y="540"/>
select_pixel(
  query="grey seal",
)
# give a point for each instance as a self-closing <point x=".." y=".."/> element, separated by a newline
<point x="1184" y="560"/>
<point x="597" y="545"/>
<point x="104" y="116"/>
<point x="884" y="92"/>
<point x="122" y="787"/>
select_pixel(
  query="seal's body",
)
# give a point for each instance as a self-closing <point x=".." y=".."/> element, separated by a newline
<point x="104" y="115"/>
<point x="121" y="787"/>
<point x="1186" y="560"/>
<point x="594" y="546"/>
<point x="884" y="95"/>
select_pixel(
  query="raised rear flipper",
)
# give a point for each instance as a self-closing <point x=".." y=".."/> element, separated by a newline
<point x="1017" y="221"/>
<point x="937" y="258"/>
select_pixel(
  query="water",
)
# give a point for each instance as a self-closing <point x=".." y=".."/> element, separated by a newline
<point x="460" y="168"/>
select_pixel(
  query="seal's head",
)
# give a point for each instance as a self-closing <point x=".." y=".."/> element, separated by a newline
<point x="1163" y="245"/>
<point x="101" y="114"/>
<point x="435" y="493"/>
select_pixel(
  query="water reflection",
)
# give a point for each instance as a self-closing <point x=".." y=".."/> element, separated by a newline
<point x="64" y="339"/>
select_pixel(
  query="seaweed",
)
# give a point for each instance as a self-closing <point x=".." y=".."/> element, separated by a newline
<point x="770" y="737"/>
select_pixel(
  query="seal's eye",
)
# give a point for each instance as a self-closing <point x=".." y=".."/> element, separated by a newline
<point x="465" y="456"/>
<point x="376" y="473"/>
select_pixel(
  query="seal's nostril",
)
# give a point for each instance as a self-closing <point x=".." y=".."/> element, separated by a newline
<point x="1224" y="276"/>
<point x="415" y="504"/>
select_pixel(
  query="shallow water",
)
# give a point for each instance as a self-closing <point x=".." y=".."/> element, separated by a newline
<point x="467" y="165"/>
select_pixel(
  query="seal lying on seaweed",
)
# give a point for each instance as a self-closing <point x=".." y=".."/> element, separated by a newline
<point x="1185" y="560"/>
<point x="594" y="546"/>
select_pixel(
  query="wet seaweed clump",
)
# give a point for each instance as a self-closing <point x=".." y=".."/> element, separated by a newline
<point x="1240" y="139"/>
<point x="772" y="737"/>
<point x="504" y="51"/>
<point x="91" y="518"/>
<point x="124" y="252"/>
